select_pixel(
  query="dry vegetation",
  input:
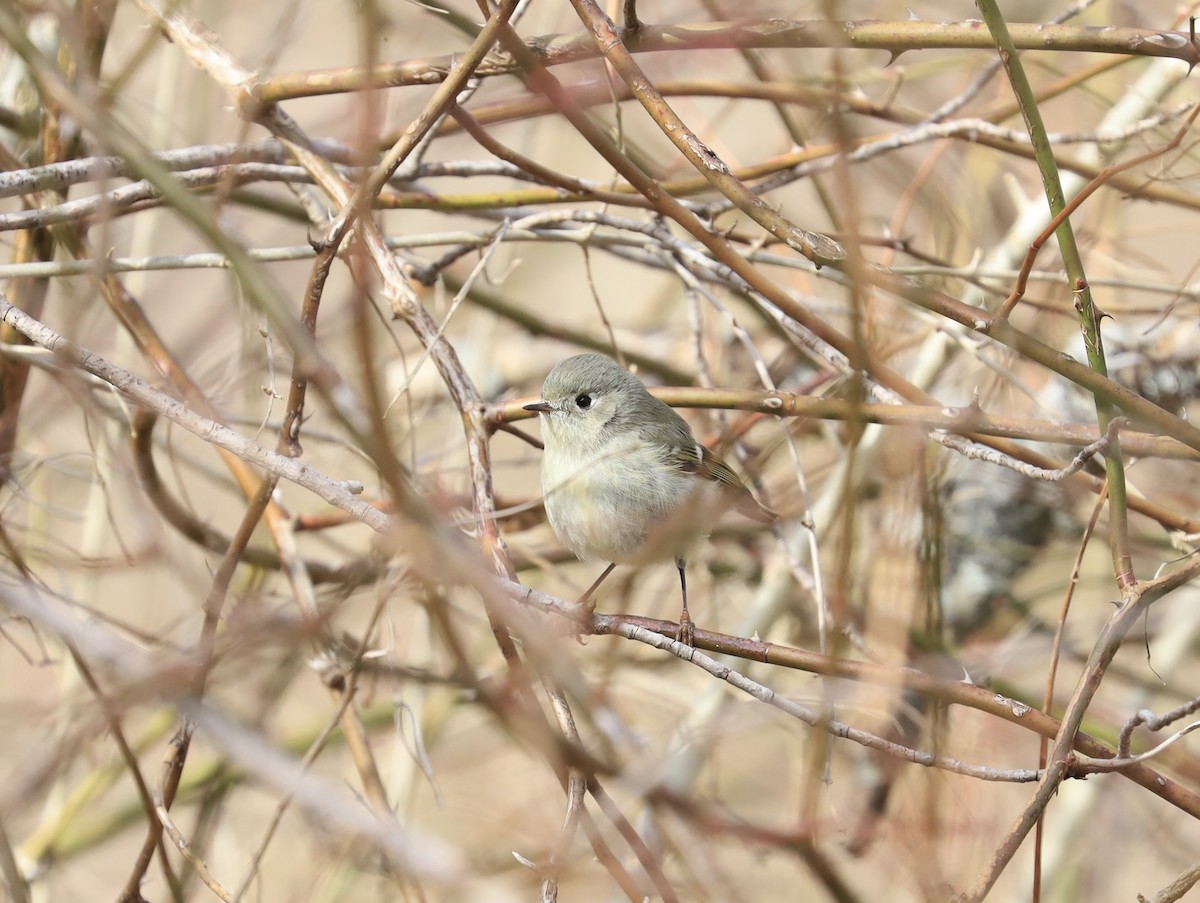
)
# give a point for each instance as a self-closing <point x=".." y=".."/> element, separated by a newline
<point x="282" y="618"/>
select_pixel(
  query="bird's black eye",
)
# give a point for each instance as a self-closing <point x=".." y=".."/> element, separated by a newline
<point x="584" y="401"/>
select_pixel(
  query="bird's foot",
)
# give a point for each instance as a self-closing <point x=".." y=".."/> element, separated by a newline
<point x="581" y="620"/>
<point x="686" y="633"/>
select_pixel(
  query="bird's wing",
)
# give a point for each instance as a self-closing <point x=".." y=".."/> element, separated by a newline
<point x="695" y="458"/>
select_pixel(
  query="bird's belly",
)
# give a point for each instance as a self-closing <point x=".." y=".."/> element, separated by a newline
<point x="608" y="510"/>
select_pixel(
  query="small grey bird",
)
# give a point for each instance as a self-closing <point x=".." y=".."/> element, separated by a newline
<point x="624" y="479"/>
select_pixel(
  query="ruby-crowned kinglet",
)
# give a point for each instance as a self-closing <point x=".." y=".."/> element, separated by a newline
<point x="624" y="479"/>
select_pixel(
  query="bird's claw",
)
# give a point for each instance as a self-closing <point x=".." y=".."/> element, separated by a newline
<point x="582" y="620"/>
<point x="686" y="633"/>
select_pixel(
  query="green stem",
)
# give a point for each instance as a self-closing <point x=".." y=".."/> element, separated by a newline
<point x="1089" y="314"/>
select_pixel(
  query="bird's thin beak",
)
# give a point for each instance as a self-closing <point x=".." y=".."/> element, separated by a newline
<point x="539" y="407"/>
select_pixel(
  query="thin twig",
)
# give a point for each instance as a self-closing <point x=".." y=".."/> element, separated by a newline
<point x="143" y="393"/>
<point x="1056" y="475"/>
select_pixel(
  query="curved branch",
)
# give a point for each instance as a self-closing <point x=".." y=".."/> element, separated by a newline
<point x="141" y="443"/>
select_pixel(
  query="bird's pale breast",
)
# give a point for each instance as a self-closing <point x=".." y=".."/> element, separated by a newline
<point x="605" y="506"/>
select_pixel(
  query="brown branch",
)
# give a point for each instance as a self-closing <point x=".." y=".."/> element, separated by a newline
<point x="894" y="37"/>
<point x="1132" y="607"/>
<point x="357" y="572"/>
<point x="953" y="691"/>
<point x="1074" y="203"/>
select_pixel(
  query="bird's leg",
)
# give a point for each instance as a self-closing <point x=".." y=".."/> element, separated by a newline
<point x="687" y="630"/>
<point x="586" y="599"/>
